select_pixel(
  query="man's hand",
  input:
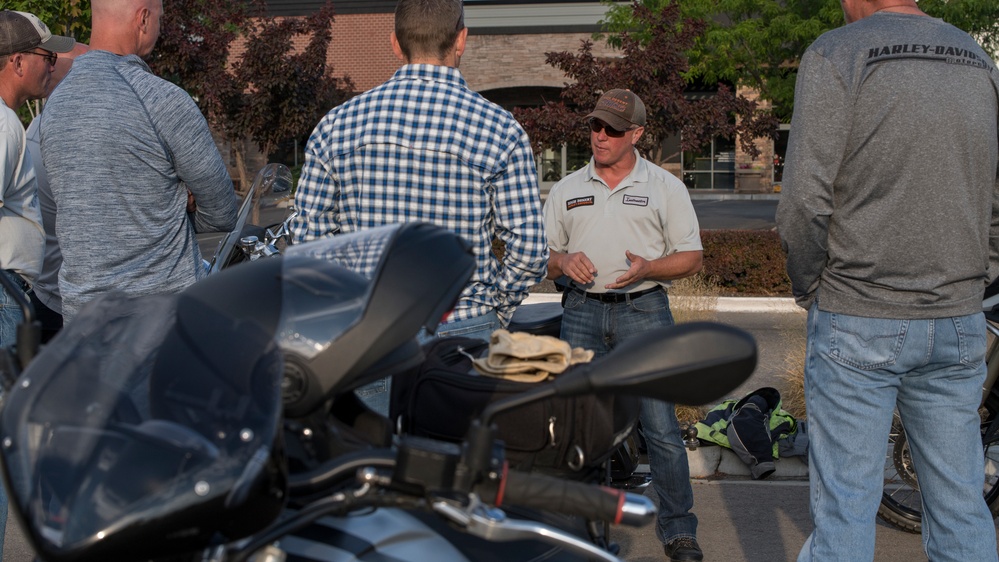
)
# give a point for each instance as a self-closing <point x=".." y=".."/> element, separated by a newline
<point x="638" y="271"/>
<point x="674" y="266"/>
<point x="191" y="204"/>
<point x="577" y="266"/>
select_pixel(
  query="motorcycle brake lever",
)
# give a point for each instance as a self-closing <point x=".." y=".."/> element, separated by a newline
<point x="283" y="230"/>
<point x="492" y="524"/>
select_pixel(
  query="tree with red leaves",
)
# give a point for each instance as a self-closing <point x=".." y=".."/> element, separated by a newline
<point x="272" y="92"/>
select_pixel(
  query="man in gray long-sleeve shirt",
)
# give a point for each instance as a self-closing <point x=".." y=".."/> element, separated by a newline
<point x="890" y="219"/>
<point x="123" y="148"/>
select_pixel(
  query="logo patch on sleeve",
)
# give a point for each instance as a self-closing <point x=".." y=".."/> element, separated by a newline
<point x="636" y="200"/>
<point x="578" y="202"/>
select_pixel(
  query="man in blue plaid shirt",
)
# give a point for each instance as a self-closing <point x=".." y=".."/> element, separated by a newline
<point x="424" y="147"/>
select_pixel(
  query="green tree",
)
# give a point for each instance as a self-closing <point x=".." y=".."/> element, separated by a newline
<point x="63" y="17"/>
<point x="752" y="43"/>
<point x="980" y="18"/>
<point x="757" y="43"/>
<point x="653" y="65"/>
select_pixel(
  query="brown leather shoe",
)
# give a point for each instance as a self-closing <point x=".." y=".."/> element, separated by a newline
<point x="684" y="549"/>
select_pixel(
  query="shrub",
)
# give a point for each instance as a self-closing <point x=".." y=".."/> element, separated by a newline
<point x="746" y="262"/>
<point x="738" y="262"/>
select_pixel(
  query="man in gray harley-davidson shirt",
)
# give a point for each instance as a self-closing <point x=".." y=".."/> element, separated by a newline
<point x="889" y="216"/>
<point x="123" y="148"/>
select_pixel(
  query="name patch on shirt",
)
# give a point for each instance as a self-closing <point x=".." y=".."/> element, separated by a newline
<point x="636" y="200"/>
<point x="578" y="202"/>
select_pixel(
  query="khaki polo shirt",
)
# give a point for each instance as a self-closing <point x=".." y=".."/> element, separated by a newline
<point x="649" y="213"/>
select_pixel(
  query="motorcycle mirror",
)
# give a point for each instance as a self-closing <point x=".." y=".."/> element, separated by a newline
<point x="692" y="363"/>
<point x="282" y="181"/>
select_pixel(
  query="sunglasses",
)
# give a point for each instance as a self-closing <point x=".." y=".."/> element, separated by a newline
<point x="50" y="58"/>
<point x="597" y="125"/>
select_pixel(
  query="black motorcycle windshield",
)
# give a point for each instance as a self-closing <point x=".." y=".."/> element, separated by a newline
<point x="150" y="426"/>
<point x="125" y="438"/>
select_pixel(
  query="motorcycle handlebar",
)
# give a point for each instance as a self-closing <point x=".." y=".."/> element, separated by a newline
<point x="590" y="501"/>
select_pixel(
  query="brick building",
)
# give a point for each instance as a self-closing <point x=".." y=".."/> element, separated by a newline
<point x="505" y="62"/>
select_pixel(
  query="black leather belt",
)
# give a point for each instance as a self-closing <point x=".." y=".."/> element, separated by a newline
<point x="24" y="285"/>
<point x="618" y="297"/>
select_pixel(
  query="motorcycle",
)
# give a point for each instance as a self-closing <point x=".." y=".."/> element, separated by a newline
<point x="901" y="504"/>
<point x="248" y="242"/>
<point x="219" y="424"/>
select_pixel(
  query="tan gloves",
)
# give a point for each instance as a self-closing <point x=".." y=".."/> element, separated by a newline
<point x="524" y="357"/>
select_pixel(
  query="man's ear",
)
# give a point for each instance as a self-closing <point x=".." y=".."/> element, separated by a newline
<point x="17" y="60"/>
<point x="459" y="43"/>
<point x="397" y="49"/>
<point x="14" y="59"/>
<point x="142" y="19"/>
<point x="637" y="135"/>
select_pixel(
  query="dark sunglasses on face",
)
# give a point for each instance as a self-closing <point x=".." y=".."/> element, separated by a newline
<point x="597" y="125"/>
<point x="50" y="58"/>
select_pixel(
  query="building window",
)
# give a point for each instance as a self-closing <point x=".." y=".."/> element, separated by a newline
<point x="553" y="165"/>
<point x="780" y="151"/>
<point x="711" y="167"/>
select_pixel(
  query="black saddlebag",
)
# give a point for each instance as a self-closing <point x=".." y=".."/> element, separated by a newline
<point x="560" y="435"/>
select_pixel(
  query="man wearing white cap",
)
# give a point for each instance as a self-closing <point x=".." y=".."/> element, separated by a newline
<point x="620" y="229"/>
<point x="27" y="57"/>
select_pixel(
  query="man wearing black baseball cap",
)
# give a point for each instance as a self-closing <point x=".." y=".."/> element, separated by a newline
<point x="619" y="230"/>
<point x="27" y="57"/>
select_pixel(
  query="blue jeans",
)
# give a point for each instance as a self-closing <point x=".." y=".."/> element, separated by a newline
<point x="10" y="317"/>
<point x="601" y="326"/>
<point x="857" y="371"/>
<point x="376" y="394"/>
<point x="10" y="312"/>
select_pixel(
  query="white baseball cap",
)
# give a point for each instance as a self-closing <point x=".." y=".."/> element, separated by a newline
<point x="21" y="31"/>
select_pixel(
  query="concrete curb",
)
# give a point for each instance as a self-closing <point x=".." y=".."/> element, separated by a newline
<point x="709" y="461"/>
<point x="719" y="304"/>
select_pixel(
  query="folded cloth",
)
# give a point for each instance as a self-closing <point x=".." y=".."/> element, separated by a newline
<point x="524" y="357"/>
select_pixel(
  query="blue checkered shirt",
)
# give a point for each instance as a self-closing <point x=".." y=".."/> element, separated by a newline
<point x="423" y="147"/>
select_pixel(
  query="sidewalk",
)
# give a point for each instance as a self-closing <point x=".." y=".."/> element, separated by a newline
<point x="742" y="520"/>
